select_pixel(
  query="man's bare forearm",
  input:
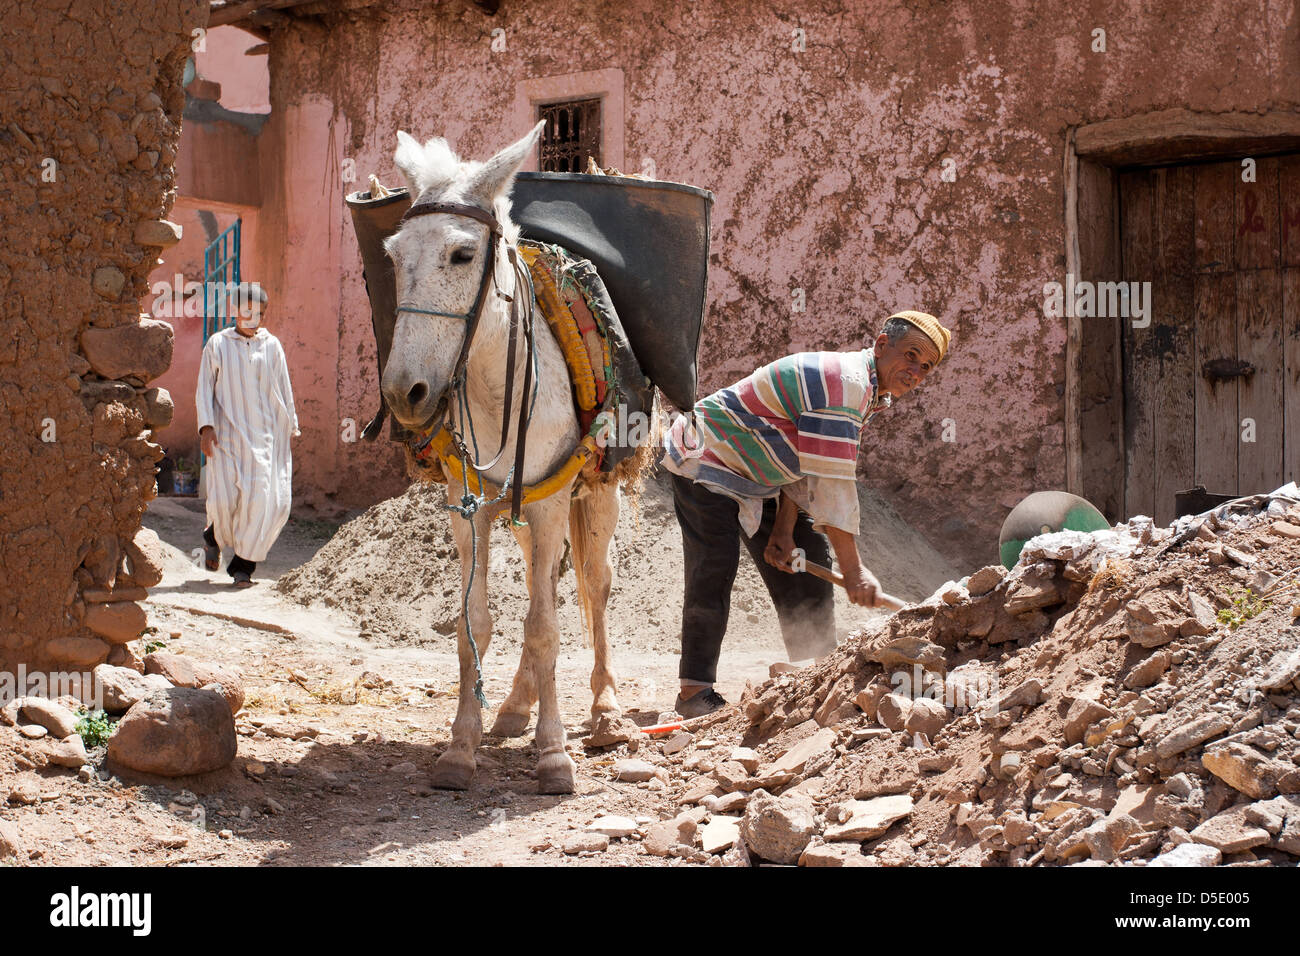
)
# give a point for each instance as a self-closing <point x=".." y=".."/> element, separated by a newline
<point x="845" y="546"/>
<point x="787" y="512"/>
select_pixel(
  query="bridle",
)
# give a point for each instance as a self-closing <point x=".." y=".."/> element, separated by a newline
<point x="521" y="315"/>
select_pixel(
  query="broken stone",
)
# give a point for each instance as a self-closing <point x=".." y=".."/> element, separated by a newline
<point x="1147" y="672"/>
<point x="1281" y="671"/>
<point x="985" y="579"/>
<point x="833" y="854"/>
<point x="183" y="671"/>
<point x="585" y="842"/>
<point x="1032" y="592"/>
<point x="1188" y="735"/>
<point x="677" y="742"/>
<point x="719" y="833"/>
<point x="634" y="771"/>
<point x="778" y="828"/>
<point x="868" y="819"/>
<point x="1229" y="832"/>
<point x="1243" y="768"/>
<point x="612" y="826"/>
<point x="1027" y="694"/>
<point x="794" y="759"/>
<point x="120" y="687"/>
<point x="1083" y="712"/>
<point x="1189" y="854"/>
<point x="893" y="710"/>
<point x="609" y="730"/>
<point x="11" y="843"/>
<point x="927" y="716"/>
<point x="662" y="838"/>
<point x="907" y="652"/>
<point x="746" y="757"/>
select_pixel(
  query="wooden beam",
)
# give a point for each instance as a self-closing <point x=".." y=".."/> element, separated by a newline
<point x="1073" y="329"/>
<point x="1184" y="135"/>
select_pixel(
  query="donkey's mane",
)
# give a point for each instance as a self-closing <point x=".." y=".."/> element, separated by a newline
<point x="437" y="170"/>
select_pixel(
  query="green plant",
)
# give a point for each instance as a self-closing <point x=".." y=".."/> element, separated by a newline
<point x="94" y="728"/>
<point x="152" y="645"/>
<point x="1243" y="607"/>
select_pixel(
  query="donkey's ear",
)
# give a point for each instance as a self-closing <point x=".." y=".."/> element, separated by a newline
<point x="409" y="157"/>
<point x="495" y="176"/>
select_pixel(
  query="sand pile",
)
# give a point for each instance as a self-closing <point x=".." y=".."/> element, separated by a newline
<point x="1131" y="696"/>
<point x="394" y="570"/>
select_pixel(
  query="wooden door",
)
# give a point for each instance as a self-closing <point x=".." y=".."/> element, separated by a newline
<point x="1212" y="384"/>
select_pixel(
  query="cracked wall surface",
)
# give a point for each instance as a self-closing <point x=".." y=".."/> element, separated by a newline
<point x="88" y="132"/>
<point x="827" y="164"/>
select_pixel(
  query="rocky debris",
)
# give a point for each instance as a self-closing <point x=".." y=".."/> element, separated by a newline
<point x="672" y="837"/>
<point x="777" y="829"/>
<point x="860" y="820"/>
<point x="182" y="671"/>
<point x="11" y="843"/>
<point x="634" y="771"/>
<point x="585" y="842"/>
<point x="174" y="733"/>
<point x="1189" y="854"/>
<point x="69" y="752"/>
<point x="1086" y="707"/>
<point x="613" y="826"/>
<point x="1230" y="831"/>
<point x="609" y="731"/>
<point x="719" y="833"/>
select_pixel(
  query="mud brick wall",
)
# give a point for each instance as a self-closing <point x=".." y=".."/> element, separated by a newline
<point x="90" y="111"/>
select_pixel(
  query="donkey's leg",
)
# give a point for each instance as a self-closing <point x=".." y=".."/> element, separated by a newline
<point x="548" y="520"/>
<point x="455" y="768"/>
<point x="513" y="715"/>
<point x="594" y="518"/>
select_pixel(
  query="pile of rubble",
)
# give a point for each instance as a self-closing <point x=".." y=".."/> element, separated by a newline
<point x="1129" y="696"/>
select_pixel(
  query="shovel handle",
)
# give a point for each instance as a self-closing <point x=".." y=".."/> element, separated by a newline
<point x="834" y="577"/>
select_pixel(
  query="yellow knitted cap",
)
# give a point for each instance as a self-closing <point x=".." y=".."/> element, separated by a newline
<point x="928" y="324"/>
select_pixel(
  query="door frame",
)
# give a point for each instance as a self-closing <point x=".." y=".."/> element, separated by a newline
<point x="1093" y="156"/>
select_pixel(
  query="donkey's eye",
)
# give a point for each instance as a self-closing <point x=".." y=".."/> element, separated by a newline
<point x="462" y="255"/>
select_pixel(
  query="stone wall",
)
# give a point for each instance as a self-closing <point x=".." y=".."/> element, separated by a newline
<point x="91" y="121"/>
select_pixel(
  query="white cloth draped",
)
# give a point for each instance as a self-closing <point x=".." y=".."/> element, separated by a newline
<point x="244" y="394"/>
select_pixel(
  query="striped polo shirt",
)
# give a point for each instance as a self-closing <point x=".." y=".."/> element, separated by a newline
<point x="798" y="417"/>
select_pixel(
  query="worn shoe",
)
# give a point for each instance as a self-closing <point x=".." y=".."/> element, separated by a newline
<point x="211" y="556"/>
<point x="243" y="579"/>
<point x="699" y="704"/>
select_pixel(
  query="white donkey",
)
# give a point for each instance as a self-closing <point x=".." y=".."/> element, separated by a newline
<point x="440" y="261"/>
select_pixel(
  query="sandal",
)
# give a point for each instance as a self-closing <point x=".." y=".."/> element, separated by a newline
<point x="211" y="556"/>
<point x="243" y="579"/>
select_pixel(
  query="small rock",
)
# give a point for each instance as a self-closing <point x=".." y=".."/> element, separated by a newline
<point x="1243" y="768"/>
<point x="634" y="771"/>
<point x="677" y="742"/>
<point x="1147" y="672"/>
<point x="120" y="687"/>
<point x="778" y="828"/>
<point x="985" y="579"/>
<point x="1083" y="711"/>
<point x="108" y="281"/>
<point x="1188" y="735"/>
<point x="719" y="833"/>
<point x="1229" y="831"/>
<point x="869" y="819"/>
<point x="665" y="836"/>
<point x="175" y="732"/>
<point x="794" y="759"/>
<point x="747" y="757"/>
<point x="54" y="717"/>
<point x="609" y="731"/>
<point x="32" y="731"/>
<point x="893" y="710"/>
<point x="1189" y="854"/>
<point x="927" y="716"/>
<point x="614" y="827"/>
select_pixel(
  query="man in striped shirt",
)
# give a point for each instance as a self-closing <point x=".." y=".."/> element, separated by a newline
<point x="772" y="461"/>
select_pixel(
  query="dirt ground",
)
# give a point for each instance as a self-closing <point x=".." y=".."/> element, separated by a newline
<point x="350" y="696"/>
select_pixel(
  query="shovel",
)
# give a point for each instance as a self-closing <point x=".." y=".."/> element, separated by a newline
<point x="826" y="574"/>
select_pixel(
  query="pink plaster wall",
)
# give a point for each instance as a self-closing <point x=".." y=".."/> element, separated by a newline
<point x="245" y="80"/>
<point x="827" y="167"/>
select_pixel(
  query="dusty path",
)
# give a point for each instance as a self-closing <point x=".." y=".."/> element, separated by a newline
<point x="372" y="709"/>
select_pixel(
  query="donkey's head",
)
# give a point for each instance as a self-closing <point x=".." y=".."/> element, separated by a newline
<point x="439" y="261"/>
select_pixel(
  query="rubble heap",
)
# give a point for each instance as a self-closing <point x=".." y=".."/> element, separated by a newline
<point x="1122" y="697"/>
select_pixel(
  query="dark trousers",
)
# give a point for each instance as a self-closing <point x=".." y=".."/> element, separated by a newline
<point x="711" y="536"/>
<point x="237" y="563"/>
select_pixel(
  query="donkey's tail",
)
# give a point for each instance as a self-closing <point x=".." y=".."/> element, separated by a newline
<point x="579" y="546"/>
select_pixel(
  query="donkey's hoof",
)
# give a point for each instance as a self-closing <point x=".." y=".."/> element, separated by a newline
<point x="509" y="725"/>
<point x="555" y="774"/>
<point x="453" y="771"/>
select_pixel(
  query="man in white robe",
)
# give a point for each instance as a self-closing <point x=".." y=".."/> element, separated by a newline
<point x="246" y="418"/>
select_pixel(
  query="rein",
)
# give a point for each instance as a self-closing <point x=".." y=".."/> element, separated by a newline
<point x="521" y="314"/>
<point x="521" y="318"/>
